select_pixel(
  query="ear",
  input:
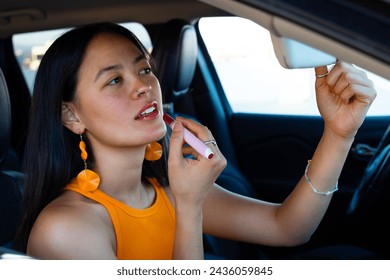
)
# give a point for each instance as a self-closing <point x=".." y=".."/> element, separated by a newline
<point x="70" y="120"/>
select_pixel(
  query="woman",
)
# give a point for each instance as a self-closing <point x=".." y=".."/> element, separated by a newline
<point x="95" y="87"/>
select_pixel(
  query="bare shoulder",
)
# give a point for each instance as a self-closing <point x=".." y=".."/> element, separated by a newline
<point x="72" y="227"/>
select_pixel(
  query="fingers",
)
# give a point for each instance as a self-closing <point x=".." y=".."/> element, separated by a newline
<point x="182" y="169"/>
<point x="201" y="134"/>
<point x="344" y="74"/>
<point x="199" y="131"/>
<point x="346" y="81"/>
<point x="176" y="142"/>
<point x="321" y="71"/>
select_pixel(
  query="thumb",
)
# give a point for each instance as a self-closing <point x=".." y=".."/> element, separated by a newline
<point x="321" y="73"/>
<point x="176" y="141"/>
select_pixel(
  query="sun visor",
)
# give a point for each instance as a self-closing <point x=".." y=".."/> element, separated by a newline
<point x="292" y="54"/>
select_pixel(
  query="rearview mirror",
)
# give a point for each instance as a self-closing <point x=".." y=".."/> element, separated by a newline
<point x="292" y="54"/>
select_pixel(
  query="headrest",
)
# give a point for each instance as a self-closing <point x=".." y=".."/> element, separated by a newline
<point x="174" y="51"/>
<point x="5" y="119"/>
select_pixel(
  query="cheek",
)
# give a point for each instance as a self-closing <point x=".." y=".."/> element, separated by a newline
<point x="107" y="113"/>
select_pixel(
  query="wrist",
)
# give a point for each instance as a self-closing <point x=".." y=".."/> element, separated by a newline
<point x="338" y="138"/>
<point x="191" y="208"/>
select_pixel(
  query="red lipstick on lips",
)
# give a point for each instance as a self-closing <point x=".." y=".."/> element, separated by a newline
<point x="149" y="111"/>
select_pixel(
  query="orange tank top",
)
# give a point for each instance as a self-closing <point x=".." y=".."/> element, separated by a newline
<point x="141" y="234"/>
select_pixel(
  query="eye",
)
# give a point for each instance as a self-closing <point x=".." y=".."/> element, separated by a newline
<point x="114" y="81"/>
<point x="146" y="70"/>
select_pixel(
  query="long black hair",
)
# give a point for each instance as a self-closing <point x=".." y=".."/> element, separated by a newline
<point x="52" y="157"/>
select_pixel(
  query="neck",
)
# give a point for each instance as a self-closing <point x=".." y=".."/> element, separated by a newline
<point x="120" y="173"/>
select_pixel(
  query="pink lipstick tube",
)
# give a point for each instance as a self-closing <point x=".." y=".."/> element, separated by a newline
<point x="191" y="139"/>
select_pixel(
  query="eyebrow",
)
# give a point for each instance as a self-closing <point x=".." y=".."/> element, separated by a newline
<point x="116" y="67"/>
<point x="139" y="58"/>
<point x="106" y="69"/>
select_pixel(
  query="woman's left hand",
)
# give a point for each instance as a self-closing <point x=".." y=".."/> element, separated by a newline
<point x="343" y="97"/>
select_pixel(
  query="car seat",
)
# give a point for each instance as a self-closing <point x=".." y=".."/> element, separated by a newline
<point x="11" y="180"/>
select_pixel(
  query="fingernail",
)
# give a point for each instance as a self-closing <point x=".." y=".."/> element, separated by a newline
<point x="178" y="126"/>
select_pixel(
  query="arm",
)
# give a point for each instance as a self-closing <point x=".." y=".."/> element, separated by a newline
<point x="343" y="98"/>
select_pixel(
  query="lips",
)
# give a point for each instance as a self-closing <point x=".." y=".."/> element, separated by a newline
<point x="149" y="111"/>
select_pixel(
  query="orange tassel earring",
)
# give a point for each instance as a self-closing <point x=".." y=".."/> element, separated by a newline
<point x="87" y="179"/>
<point x="153" y="151"/>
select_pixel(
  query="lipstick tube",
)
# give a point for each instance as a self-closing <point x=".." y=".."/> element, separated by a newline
<point x="191" y="139"/>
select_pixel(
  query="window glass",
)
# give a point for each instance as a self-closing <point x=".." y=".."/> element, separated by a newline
<point x="30" y="47"/>
<point x="253" y="79"/>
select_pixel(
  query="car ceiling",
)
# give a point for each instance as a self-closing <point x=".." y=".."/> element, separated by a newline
<point x="20" y="16"/>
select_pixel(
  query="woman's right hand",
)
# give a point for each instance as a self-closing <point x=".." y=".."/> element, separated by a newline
<point x="191" y="179"/>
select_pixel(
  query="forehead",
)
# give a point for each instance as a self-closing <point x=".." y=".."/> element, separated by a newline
<point x="105" y="51"/>
<point x="110" y="44"/>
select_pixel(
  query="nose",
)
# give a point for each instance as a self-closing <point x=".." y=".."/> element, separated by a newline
<point x="146" y="89"/>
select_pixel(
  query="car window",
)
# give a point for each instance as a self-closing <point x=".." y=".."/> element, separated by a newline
<point x="30" y="47"/>
<point x="253" y="79"/>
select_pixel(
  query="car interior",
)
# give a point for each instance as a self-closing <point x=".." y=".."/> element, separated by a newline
<point x="266" y="153"/>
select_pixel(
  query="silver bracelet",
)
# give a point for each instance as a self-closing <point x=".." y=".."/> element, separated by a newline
<point x="336" y="187"/>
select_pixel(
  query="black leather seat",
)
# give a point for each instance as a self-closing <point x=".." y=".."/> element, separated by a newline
<point x="11" y="180"/>
<point x="175" y="51"/>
